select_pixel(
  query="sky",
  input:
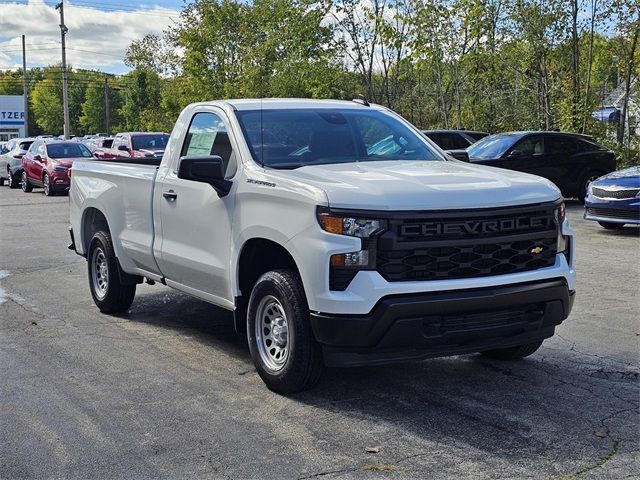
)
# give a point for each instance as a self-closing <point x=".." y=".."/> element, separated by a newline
<point x="99" y="30"/>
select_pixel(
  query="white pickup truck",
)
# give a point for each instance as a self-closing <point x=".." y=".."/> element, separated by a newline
<point x="336" y="232"/>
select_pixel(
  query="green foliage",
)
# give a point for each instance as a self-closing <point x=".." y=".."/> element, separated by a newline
<point x="491" y="65"/>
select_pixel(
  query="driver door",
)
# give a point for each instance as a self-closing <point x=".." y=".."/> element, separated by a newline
<point x="195" y="247"/>
<point x="527" y="155"/>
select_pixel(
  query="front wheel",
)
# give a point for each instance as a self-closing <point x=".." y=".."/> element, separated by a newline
<point x="26" y="185"/>
<point x="283" y="348"/>
<point x="108" y="293"/>
<point x="611" y="225"/>
<point x="513" y="353"/>
<point x="46" y="185"/>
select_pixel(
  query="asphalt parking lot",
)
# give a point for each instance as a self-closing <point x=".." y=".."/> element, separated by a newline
<point x="169" y="391"/>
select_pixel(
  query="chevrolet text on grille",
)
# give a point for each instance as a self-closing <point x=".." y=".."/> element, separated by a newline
<point x="476" y="227"/>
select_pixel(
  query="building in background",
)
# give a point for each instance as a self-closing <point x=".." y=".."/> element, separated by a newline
<point x="11" y="117"/>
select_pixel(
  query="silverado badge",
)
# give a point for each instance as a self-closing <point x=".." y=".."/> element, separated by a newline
<point x="537" y="249"/>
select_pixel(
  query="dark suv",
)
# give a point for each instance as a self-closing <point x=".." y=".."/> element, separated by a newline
<point x="454" y="139"/>
<point x="569" y="160"/>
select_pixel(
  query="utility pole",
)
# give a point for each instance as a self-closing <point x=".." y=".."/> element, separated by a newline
<point x="106" y="105"/>
<point x="65" y="94"/>
<point x="25" y="92"/>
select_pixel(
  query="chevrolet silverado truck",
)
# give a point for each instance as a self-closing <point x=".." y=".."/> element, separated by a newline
<point x="335" y="231"/>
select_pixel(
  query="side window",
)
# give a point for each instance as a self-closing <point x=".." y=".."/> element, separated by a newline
<point x="561" y="146"/>
<point x="530" y="146"/>
<point x="33" y="147"/>
<point x="584" y="146"/>
<point x="208" y="135"/>
<point x="452" y="141"/>
<point x="41" y="150"/>
<point x="116" y="142"/>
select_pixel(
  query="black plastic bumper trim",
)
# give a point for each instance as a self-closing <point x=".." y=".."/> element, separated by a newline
<point x="395" y="328"/>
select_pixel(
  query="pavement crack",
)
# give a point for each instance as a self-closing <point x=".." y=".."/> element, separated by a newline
<point x="600" y="462"/>
<point x="330" y="472"/>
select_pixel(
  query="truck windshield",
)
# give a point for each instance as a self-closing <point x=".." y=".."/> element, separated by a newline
<point x="68" y="150"/>
<point x="292" y="138"/>
<point x="157" y="141"/>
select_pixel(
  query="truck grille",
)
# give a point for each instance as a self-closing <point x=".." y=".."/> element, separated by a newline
<point x="615" y="194"/>
<point x="476" y="243"/>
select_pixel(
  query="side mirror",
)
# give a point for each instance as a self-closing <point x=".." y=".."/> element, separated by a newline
<point x="516" y="154"/>
<point x="123" y="148"/>
<point x="458" y="154"/>
<point x="37" y="158"/>
<point x="18" y="156"/>
<point x="209" y="169"/>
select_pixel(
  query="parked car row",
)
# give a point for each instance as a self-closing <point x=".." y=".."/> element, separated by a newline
<point x="44" y="161"/>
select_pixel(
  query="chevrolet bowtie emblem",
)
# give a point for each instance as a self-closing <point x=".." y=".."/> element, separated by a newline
<point x="537" y="250"/>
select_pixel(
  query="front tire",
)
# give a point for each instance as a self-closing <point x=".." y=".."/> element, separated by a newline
<point x="46" y="185"/>
<point x="611" y="225"/>
<point x="513" y="353"/>
<point x="108" y="293"/>
<point x="283" y="348"/>
<point x="26" y="185"/>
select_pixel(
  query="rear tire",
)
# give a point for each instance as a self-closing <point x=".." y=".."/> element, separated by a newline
<point x="108" y="293"/>
<point x="513" y="353"/>
<point x="283" y="348"/>
<point x="611" y="225"/>
<point x="1" y="181"/>
<point x="26" y="185"/>
<point x="586" y="181"/>
<point x="14" y="180"/>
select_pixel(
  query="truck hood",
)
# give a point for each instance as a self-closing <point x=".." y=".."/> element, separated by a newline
<point x="411" y="185"/>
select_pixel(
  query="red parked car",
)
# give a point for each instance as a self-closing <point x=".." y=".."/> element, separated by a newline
<point x="47" y="164"/>
<point x="135" y="145"/>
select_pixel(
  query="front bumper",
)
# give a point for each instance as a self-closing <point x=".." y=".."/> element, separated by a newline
<point x="434" y="324"/>
<point x="622" y="211"/>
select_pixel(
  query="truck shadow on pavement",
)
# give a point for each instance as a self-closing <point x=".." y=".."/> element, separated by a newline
<point x="558" y="404"/>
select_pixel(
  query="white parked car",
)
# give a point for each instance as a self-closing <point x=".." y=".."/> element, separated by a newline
<point x="11" y="160"/>
<point x="329" y="251"/>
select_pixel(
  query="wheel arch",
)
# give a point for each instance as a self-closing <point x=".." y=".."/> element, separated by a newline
<point x="257" y="256"/>
<point x="93" y="220"/>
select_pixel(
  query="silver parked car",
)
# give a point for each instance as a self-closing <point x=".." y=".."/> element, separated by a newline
<point x="11" y="160"/>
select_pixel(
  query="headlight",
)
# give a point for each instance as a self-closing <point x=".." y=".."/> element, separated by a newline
<point x="351" y="226"/>
<point x="559" y="214"/>
<point x="60" y="168"/>
<point x="343" y="267"/>
<point x="590" y="189"/>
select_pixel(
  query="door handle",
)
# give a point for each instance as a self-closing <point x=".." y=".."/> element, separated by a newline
<point x="170" y="195"/>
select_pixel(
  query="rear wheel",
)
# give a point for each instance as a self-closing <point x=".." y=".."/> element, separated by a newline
<point x="1" y="181"/>
<point x="611" y="225"/>
<point x="513" y="353"/>
<point x="586" y="181"/>
<point x="26" y="185"/>
<point x="283" y="348"/>
<point x="14" y="179"/>
<point x="108" y="293"/>
<point x="46" y="185"/>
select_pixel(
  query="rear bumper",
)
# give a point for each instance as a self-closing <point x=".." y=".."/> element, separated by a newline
<point x="417" y="326"/>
